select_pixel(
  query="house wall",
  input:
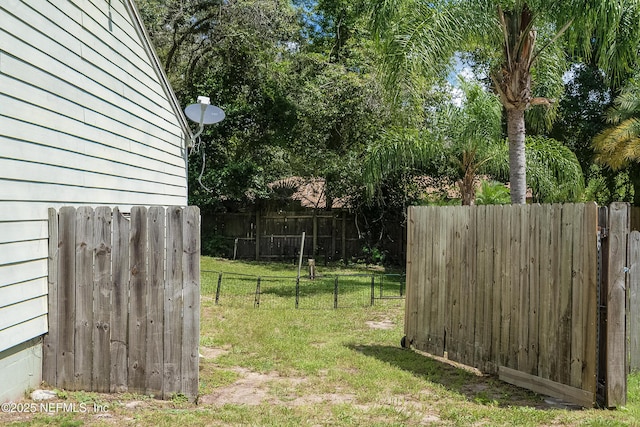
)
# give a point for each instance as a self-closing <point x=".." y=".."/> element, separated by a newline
<point x="84" y="120"/>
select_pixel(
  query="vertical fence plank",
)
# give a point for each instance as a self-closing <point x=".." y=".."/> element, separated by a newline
<point x="506" y="288"/>
<point x="534" y="288"/>
<point x="50" y="342"/>
<point x="119" y="304"/>
<point x="523" y="289"/>
<point x="428" y="297"/>
<point x="83" y="363"/>
<point x="155" y="300"/>
<point x="424" y="278"/>
<point x="173" y="304"/>
<point x="472" y="256"/>
<point x="499" y="261"/>
<point x="101" y="377"/>
<point x="489" y="287"/>
<point x="578" y="292"/>
<point x="66" y="297"/>
<point x="516" y="248"/>
<point x="138" y="300"/>
<point x="616" y="377"/>
<point x="545" y="255"/>
<point x="441" y="287"/>
<point x="410" y="314"/>
<point x="589" y="300"/>
<point x="191" y="291"/>
<point x="634" y="300"/>
<point x="481" y="288"/>
<point x="564" y="296"/>
<point x="554" y="313"/>
<point x="453" y="340"/>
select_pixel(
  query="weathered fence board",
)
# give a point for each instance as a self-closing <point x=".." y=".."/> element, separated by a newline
<point x="191" y="311"/>
<point x="84" y="298"/>
<point x="155" y="298"/>
<point x="511" y="287"/>
<point x="119" y="303"/>
<point x="331" y="235"/>
<point x="634" y="300"/>
<point x="102" y="300"/>
<point x="173" y="301"/>
<point x="137" y="300"/>
<point x="116" y="313"/>
<point x="616" y="355"/>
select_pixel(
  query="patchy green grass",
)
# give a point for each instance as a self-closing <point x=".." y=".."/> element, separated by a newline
<point x="314" y="367"/>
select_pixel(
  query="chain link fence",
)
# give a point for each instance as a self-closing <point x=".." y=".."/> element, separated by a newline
<point x="322" y="292"/>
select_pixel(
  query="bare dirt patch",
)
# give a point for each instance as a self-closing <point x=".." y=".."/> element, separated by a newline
<point x="254" y="388"/>
<point x="385" y="324"/>
<point x="213" y="353"/>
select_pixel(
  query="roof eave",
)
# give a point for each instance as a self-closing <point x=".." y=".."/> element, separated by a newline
<point x="132" y="9"/>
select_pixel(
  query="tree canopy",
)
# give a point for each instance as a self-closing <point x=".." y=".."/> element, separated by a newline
<point x="334" y="89"/>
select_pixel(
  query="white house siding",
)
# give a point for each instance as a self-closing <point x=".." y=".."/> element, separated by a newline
<point x="84" y="120"/>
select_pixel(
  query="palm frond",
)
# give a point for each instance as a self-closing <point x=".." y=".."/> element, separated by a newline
<point x="553" y="171"/>
<point x="400" y="150"/>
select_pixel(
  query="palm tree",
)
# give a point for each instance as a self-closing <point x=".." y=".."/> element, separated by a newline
<point x="460" y="143"/>
<point x="518" y="37"/>
<point x="464" y="142"/>
<point x="619" y="146"/>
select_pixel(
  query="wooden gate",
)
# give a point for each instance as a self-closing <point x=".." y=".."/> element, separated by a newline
<point x="124" y="300"/>
<point x="513" y="290"/>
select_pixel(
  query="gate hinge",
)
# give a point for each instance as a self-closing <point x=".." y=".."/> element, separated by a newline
<point x="603" y="232"/>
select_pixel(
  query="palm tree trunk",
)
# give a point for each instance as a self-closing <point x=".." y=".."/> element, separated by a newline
<point x="517" y="162"/>
<point x="467" y="188"/>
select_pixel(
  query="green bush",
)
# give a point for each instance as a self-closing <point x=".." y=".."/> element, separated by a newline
<point x="216" y="246"/>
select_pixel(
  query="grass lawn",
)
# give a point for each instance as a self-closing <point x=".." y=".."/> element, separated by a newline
<point x="278" y="366"/>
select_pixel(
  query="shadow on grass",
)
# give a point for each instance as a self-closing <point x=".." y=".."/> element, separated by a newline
<point x="482" y="389"/>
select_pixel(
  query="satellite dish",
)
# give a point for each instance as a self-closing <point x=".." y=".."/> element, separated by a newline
<point x="204" y="114"/>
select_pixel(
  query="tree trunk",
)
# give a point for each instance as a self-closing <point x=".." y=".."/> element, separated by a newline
<point x="517" y="161"/>
<point x="467" y="188"/>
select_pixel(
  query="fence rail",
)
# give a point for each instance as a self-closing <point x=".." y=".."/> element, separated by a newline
<point x="323" y="292"/>
<point x="124" y="300"/>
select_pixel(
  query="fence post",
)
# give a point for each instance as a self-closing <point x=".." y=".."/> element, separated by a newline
<point x="297" y="290"/>
<point x="257" y="299"/>
<point x="218" y="288"/>
<point x="344" y="237"/>
<point x="315" y="233"/>
<point x="335" y="293"/>
<point x="373" y="289"/>
<point x="616" y="346"/>
<point x="257" y="235"/>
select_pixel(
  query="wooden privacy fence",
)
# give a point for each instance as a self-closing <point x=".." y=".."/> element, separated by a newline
<point x="124" y="300"/>
<point x="514" y="290"/>
<point x="273" y="235"/>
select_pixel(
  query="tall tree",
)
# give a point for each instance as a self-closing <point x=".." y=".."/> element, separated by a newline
<point x="517" y="36"/>
<point x="239" y="53"/>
